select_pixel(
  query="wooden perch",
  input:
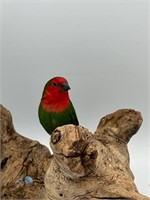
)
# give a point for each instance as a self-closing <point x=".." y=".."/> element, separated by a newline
<point x="84" y="165"/>
<point x="21" y="157"/>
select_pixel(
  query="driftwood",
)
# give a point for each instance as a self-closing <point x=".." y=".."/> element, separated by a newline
<point x="84" y="165"/>
<point x="21" y="157"/>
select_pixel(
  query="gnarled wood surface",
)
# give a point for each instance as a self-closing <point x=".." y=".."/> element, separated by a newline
<point x="21" y="157"/>
<point x="84" y="165"/>
<point x="87" y="166"/>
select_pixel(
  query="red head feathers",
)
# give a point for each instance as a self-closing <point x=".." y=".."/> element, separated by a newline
<point x="55" y="95"/>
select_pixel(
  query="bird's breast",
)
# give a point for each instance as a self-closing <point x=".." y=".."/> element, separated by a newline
<point x="55" y="106"/>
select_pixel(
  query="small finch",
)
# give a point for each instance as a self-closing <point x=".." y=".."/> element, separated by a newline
<point x="55" y="108"/>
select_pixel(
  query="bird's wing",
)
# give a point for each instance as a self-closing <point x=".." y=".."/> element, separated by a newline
<point x="74" y="119"/>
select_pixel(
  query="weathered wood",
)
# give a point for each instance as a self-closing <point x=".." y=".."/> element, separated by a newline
<point x="84" y="165"/>
<point x="87" y="166"/>
<point x="21" y="157"/>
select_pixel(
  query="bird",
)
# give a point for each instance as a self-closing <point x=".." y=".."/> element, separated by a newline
<point x="55" y="108"/>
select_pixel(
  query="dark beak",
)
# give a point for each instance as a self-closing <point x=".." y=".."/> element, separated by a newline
<point x="65" y="87"/>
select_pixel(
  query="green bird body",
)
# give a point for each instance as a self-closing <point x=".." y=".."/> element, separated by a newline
<point x="55" y="108"/>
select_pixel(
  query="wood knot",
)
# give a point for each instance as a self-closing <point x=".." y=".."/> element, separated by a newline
<point x="55" y="137"/>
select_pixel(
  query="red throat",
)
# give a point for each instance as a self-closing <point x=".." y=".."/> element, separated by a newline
<point x="55" y="101"/>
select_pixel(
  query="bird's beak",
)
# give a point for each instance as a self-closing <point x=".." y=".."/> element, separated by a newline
<point x="65" y="87"/>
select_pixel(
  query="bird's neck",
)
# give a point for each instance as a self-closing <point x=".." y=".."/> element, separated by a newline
<point x="55" y="103"/>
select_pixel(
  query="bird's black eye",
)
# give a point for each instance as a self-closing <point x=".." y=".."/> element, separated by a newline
<point x="55" y="84"/>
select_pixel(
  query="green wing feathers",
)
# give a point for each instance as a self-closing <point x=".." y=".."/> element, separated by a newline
<point x="51" y="120"/>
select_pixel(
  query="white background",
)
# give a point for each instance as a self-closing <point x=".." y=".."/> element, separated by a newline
<point x="101" y="47"/>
